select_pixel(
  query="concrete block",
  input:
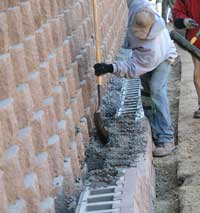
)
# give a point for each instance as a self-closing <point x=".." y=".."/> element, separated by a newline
<point x="27" y="18"/>
<point x="41" y="44"/>
<point x="70" y="123"/>
<point x="4" y="39"/>
<point x="84" y="88"/>
<point x="71" y="82"/>
<point x="3" y="200"/>
<point x="64" y="138"/>
<point x="11" y="166"/>
<point x="66" y="94"/>
<point x="54" y="8"/>
<point x="45" y="79"/>
<point x="74" y="159"/>
<point x="32" y="192"/>
<point x="47" y="205"/>
<point x="26" y="149"/>
<point x="56" y="32"/>
<point x="55" y="156"/>
<point x="80" y="147"/>
<point x="76" y="75"/>
<point x="39" y="131"/>
<point x="50" y="116"/>
<point x="79" y="96"/>
<point x="84" y="130"/>
<point x="58" y="102"/>
<point x="67" y="53"/>
<point x="31" y="53"/>
<point x="19" y="63"/>
<point x="36" y="11"/>
<point x="68" y="183"/>
<point x="48" y="36"/>
<point x="3" y="5"/>
<point x="15" y="26"/>
<point x="44" y="178"/>
<point x="7" y="81"/>
<point x="19" y="206"/>
<point x="75" y="110"/>
<point x="57" y="186"/>
<point x="9" y="125"/>
<point x="23" y="105"/>
<point x="45" y="10"/>
<point x="36" y="89"/>
<point x="53" y="69"/>
<point x="60" y="61"/>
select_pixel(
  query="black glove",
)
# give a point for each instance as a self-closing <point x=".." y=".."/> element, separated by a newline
<point x="102" y="68"/>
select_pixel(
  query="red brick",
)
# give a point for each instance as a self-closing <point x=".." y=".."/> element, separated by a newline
<point x="45" y="79"/>
<point x="32" y="192"/>
<point x="75" y="74"/>
<point x="55" y="158"/>
<point x="66" y="94"/>
<point x="9" y="125"/>
<point x="12" y="3"/>
<point x="7" y="81"/>
<point x="39" y="131"/>
<point x="15" y="27"/>
<point x="36" y="11"/>
<point x="23" y="105"/>
<point x="3" y="5"/>
<point x="3" y="200"/>
<point x="4" y="40"/>
<point x="62" y="26"/>
<point x="19" y="63"/>
<point x="36" y="89"/>
<point x="89" y="118"/>
<point x="79" y="97"/>
<point x="44" y="178"/>
<point x="53" y="69"/>
<point x="31" y="53"/>
<point x="41" y="44"/>
<point x="72" y="47"/>
<point x="50" y="116"/>
<point x="68" y="23"/>
<point x="58" y="102"/>
<point x="27" y="151"/>
<point x="11" y="166"/>
<point x="27" y="18"/>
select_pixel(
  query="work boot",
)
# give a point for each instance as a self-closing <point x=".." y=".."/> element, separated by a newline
<point x="163" y="149"/>
<point x="197" y="114"/>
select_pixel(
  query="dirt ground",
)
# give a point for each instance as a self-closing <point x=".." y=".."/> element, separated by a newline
<point x="166" y="168"/>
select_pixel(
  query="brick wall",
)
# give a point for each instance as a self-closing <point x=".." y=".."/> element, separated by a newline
<point x="48" y="94"/>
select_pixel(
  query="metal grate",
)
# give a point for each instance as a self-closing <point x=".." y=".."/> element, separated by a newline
<point x="131" y="99"/>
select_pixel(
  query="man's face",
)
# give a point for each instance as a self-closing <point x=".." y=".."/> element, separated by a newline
<point x="142" y="24"/>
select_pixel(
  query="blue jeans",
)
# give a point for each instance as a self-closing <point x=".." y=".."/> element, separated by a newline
<point x="155" y="103"/>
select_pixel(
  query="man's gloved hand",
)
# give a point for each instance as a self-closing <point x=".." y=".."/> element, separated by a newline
<point x="102" y="68"/>
<point x="190" y="23"/>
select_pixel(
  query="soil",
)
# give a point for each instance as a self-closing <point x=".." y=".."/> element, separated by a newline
<point x="166" y="168"/>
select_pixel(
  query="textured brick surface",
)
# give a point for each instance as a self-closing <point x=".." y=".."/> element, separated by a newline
<point x="47" y="94"/>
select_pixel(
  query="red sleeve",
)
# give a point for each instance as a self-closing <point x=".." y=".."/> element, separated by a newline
<point x="179" y="9"/>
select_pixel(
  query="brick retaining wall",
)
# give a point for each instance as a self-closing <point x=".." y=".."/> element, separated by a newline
<point x="48" y="94"/>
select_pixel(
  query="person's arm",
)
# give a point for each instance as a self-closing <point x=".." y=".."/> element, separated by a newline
<point x="179" y="12"/>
